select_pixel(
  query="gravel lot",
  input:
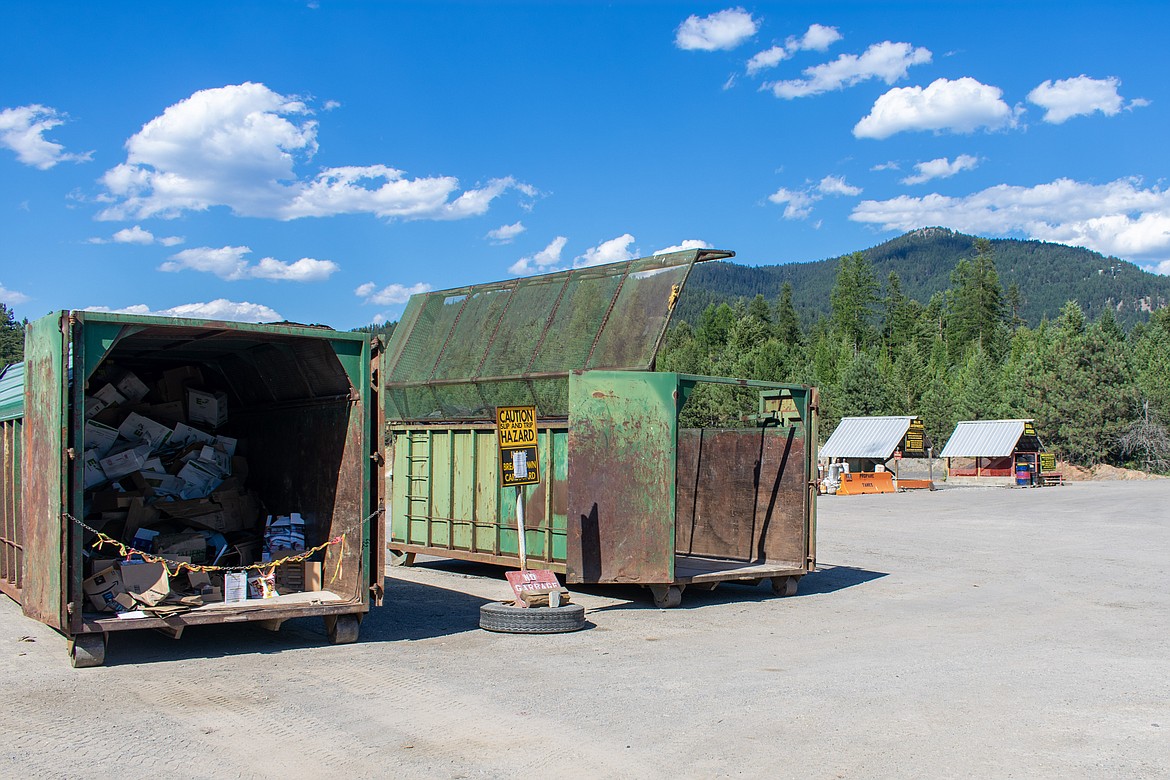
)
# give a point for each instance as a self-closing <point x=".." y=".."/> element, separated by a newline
<point x="963" y="633"/>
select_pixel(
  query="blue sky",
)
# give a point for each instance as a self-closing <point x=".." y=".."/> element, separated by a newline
<point x="318" y="161"/>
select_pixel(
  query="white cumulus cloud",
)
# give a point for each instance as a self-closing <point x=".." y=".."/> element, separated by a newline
<point x="690" y="243"/>
<point x="1120" y="218"/>
<point x="836" y="185"/>
<point x="818" y="37"/>
<point x="391" y="294"/>
<point x="506" y="234"/>
<point x="768" y="58"/>
<point x="941" y="168"/>
<point x="138" y="235"/>
<point x="1079" y="96"/>
<point x="22" y="130"/>
<point x="612" y="251"/>
<point x="219" y="309"/>
<point x="798" y="204"/>
<point x="230" y="263"/>
<point x="239" y="146"/>
<point x="887" y="61"/>
<point x="12" y="297"/>
<point x="547" y="259"/>
<point x="721" y="30"/>
<point x="962" y="106"/>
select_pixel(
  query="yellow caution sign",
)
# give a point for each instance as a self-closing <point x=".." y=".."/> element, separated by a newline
<point x="516" y="432"/>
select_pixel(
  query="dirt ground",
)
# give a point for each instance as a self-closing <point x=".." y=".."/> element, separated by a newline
<point x="969" y="632"/>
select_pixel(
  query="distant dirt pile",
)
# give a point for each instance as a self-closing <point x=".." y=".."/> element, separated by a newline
<point x="1101" y="473"/>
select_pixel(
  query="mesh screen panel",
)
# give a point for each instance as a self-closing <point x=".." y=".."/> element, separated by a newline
<point x="457" y="354"/>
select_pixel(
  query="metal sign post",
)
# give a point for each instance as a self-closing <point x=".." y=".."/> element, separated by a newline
<point x="520" y="528"/>
<point x="520" y="466"/>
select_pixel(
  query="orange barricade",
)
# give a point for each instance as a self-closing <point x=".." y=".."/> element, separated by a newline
<point x="866" y="482"/>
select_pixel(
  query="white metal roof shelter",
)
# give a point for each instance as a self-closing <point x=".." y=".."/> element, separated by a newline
<point x="867" y="437"/>
<point x="987" y="438"/>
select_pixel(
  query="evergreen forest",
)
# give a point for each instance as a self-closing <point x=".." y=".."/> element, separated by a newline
<point x="1099" y="393"/>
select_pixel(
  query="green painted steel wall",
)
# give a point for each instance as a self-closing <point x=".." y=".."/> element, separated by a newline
<point x="51" y="571"/>
<point x="622" y="481"/>
<point x="446" y="495"/>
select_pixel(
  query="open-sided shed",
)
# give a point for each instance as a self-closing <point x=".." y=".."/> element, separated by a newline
<point x="867" y="445"/>
<point x="992" y="452"/>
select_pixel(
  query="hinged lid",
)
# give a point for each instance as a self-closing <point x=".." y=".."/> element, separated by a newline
<point x="457" y="354"/>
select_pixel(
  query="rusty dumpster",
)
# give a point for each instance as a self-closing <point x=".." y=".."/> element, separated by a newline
<point x="300" y="419"/>
<point x="627" y="492"/>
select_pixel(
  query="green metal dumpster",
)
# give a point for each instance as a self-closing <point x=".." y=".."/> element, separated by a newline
<point x="626" y="494"/>
<point x="305" y="410"/>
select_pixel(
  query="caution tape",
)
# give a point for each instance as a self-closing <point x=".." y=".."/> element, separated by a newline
<point x="173" y="568"/>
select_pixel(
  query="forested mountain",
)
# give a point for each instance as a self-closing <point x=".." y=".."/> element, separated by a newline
<point x="1097" y="392"/>
<point x="1046" y="275"/>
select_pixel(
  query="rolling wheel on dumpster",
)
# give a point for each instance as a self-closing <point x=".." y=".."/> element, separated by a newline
<point x="87" y="650"/>
<point x="343" y="629"/>
<point x="509" y="619"/>
<point x="667" y="596"/>
<point x="785" y="586"/>
<point x="399" y="558"/>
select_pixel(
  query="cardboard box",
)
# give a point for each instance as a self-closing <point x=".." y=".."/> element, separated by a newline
<point x="126" y="462"/>
<point x="173" y="385"/>
<point x="140" y="516"/>
<point x="111" y="500"/>
<point x="103" y="588"/>
<point x="187" y="544"/>
<point x="187" y="434"/>
<point x="204" y="407"/>
<point x="300" y="577"/>
<point x="172" y="412"/>
<point x="211" y="593"/>
<point x="222" y="511"/>
<point x="132" y="387"/>
<point x="138" y="428"/>
<point x="143" y="539"/>
<point x="109" y="395"/>
<point x="226" y="444"/>
<point x="93" y="406"/>
<point x="92" y="468"/>
<point x="157" y="484"/>
<point x="200" y="481"/>
<point x="216" y="460"/>
<point x="99" y="437"/>
<point x="147" y="583"/>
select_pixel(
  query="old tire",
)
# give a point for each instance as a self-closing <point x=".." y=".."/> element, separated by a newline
<point x="87" y="650"/>
<point x="399" y="558"/>
<point x="343" y="629"/>
<point x="785" y="586"/>
<point x="509" y="619"/>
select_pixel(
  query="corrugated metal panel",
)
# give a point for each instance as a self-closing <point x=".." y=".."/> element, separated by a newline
<point x="984" y="439"/>
<point x="866" y="437"/>
<point x="12" y="392"/>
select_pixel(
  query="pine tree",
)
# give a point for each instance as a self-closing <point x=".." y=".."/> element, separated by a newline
<point x="977" y="311"/>
<point x="787" y="322"/>
<point x="11" y="338"/>
<point x="852" y="299"/>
